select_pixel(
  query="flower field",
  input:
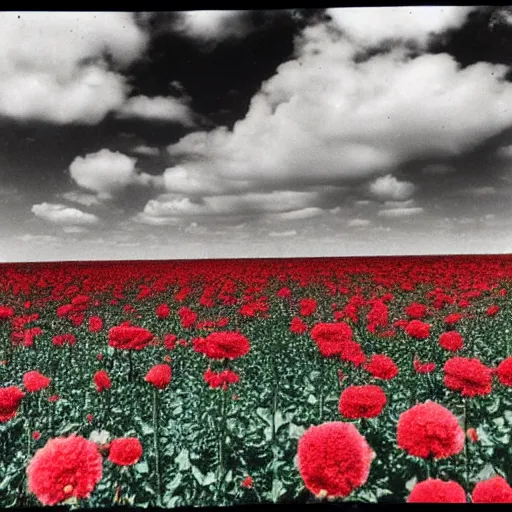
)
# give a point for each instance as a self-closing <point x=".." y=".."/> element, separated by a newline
<point x="228" y="382"/>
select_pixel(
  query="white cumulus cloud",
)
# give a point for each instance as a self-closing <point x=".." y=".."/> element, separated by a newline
<point x="389" y="188"/>
<point x="61" y="214"/>
<point x="400" y="212"/>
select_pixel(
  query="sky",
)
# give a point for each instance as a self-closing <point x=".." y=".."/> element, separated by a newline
<point x="277" y="133"/>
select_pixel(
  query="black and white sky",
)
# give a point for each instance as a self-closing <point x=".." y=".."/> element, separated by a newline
<point x="213" y="134"/>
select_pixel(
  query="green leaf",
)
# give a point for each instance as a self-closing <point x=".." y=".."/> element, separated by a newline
<point x="70" y="427"/>
<point x="183" y="460"/>
<point x="409" y="485"/>
<point x="141" y="468"/>
<point x="296" y="431"/>
<point x="147" y="429"/>
<point x="175" y="483"/>
<point x="209" y="479"/>
<point x="198" y="475"/>
<point x="277" y="490"/>
<point x="279" y="420"/>
<point x="264" y="414"/>
<point x="486" y="473"/>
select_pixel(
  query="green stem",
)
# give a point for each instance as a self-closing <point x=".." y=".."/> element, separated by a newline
<point x="220" y="444"/>
<point x="466" y="448"/>
<point x="156" y="444"/>
<point x="131" y="365"/>
<point x="274" y="430"/>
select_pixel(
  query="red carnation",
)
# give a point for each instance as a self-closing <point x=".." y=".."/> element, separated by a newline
<point x="353" y="353"/>
<point x="223" y="345"/>
<point x="298" y="326"/>
<point x="334" y="459"/>
<point x="362" y="401"/>
<point x="64" y="339"/>
<point x="420" y="367"/>
<point x="170" y="341"/>
<point x="65" y="467"/>
<point x="6" y="312"/>
<point x="382" y="367"/>
<point x="307" y="307"/>
<point x="95" y="324"/>
<point x="10" y="399"/>
<point x="492" y="310"/>
<point x="451" y="340"/>
<point x="472" y="435"/>
<point x="36" y="435"/>
<point x="187" y="317"/>
<point x="127" y="337"/>
<point x="437" y="491"/>
<point x="284" y="293"/>
<point x="452" y="319"/>
<point x="504" y="371"/>
<point x="247" y="483"/>
<point x="34" y="381"/>
<point x="469" y="376"/>
<point x="330" y="338"/>
<point x="494" y="490"/>
<point x="429" y="429"/>
<point x="125" y="451"/>
<point x="418" y="329"/>
<point x="163" y="311"/>
<point x="220" y="379"/>
<point x="102" y="381"/>
<point x="416" y="311"/>
<point x="160" y="376"/>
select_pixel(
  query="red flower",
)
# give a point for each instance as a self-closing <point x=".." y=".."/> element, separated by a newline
<point x="170" y="341"/>
<point x="65" y="467"/>
<point x="163" y="311"/>
<point x="330" y="338"/>
<point x="298" y="326"/>
<point x="127" y="337"/>
<point x="220" y="379"/>
<point x="472" y="435"/>
<point x="437" y="491"/>
<point x="34" y="381"/>
<point x="423" y="367"/>
<point x="469" y="376"/>
<point x="188" y="317"/>
<point x="95" y="324"/>
<point x="10" y="399"/>
<point x="333" y="459"/>
<point x="451" y="340"/>
<point x="362" y="401"/>
<point x="125" y="451"/>
<point x="247" y="483"/>
<point x="352" y="353"/>
<point x="160" y="376"/>
<point x="223" y="345"/>
<point x="307" y="307"/>
<point x="89" y="418"/>
<point x="284" y="293"/>
<point x="53" y="398"/>
<point x="416" y="311"/>
<point x="6" y="312"/>
<point x="492" y="310"/>
<point x="63" y="339"/>
<point x="102" y="381"/>
<point x="36" y="435"/>
<point x="382" y="367"/>
<point x="494" y="490"/>
<point x="429" y="429"/>
<point x="417" y="329"/>
<point x="504" y="371"/>
<point x="453" y="318"/>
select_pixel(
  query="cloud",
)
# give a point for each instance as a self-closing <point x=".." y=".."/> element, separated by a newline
<point x="61" y="214"/>
<point x="438" y="169"/>
<point x="504" y="151"/>
<point x="302" y="214"/>
<point x="65" y="67"/>
<point x="283" y="234"/>
<point x="400" y="212"/>
<point x="80" y="198"/>
<point x="107" y="172"/>
<point x="38" y="239"/>
<point x="399" y="204"/>
<point x="158" y="108"/>
<point x="212" y="25"/>
<point x="372" y="26"/>
<point x="326" y="118"/>
<point x="358" y="223"/>
<point x="145" y="150"/>
<point x="481" y="191"/>
<point x="389" y="188"/>
<point x="74" y="229"/>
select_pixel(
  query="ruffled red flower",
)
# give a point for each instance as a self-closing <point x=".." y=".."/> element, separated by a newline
<point x="493" y="490"/>
<point x="220" y="379"/>
<point x="504" y="372"/>
<point x="223" y="345"/>
<point x="170" y="341"/>
<point x="330" y="338"/>
<point x="102" y="381"/>
<point x="472" y="435"/>
<point x="64" y="339"/>
<point x="247" y="483"/>
<point x="65" y="467"/>
<point x="437" y="491"/>
<point x="10" y="399"/>
<point x="298" y="326"/>
<point x="468" y="376"/>
<point x="127" y="337"/>
<point x="453" y="318"/>
<point x="382" y="367"/>
<point x="187" y="317"/>
<point x="362" y="401"/>
<point x="284" y="293"/>
<point x="451" y="340"/>
<point x="6" y="312"/>
<point x="307" y="307"/>
<point x="163" y="311"/>
<point x="159" y="376"/>
<point x="418" y="329"/>
<point x="492" y="310"/>
<point x="34" y="381"/>
<point x="423" y="368"/>
<point x="351" y="352"/>
<point x="416" y="311"/>
<point x="125" y="451"/>
<point x="334" y="459"/>
<point x="95" y="324"/>
<point x="429" y="430"/>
